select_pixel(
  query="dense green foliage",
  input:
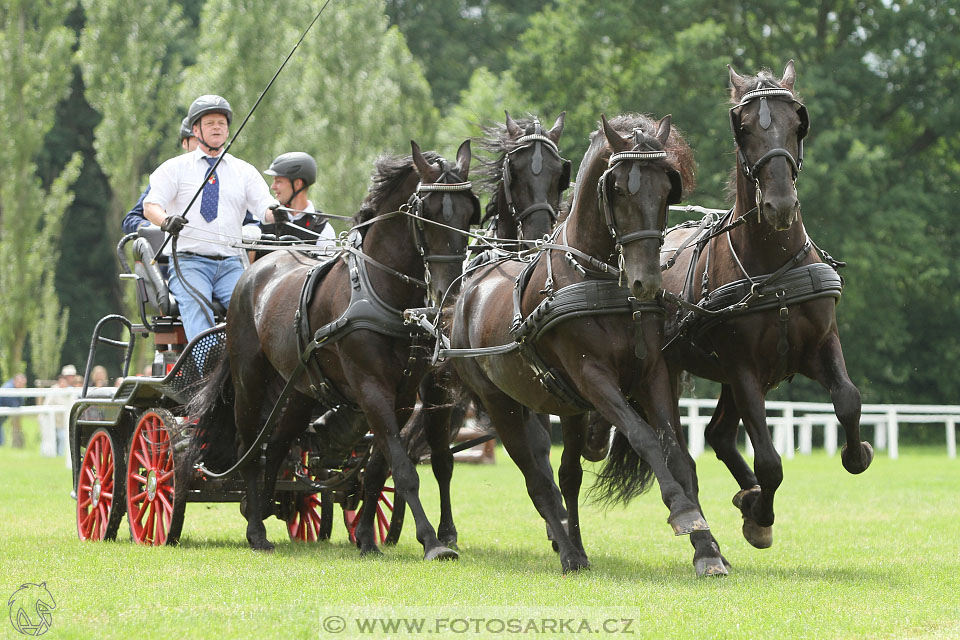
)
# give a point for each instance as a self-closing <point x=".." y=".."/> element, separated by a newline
<point x="880" y="80"/>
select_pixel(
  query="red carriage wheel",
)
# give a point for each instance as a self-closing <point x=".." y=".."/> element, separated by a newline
<point x="100" y="503"/>
<point x="312" y="518"/>
<point x="351" y="518"/>
<point x="155" y="516"/>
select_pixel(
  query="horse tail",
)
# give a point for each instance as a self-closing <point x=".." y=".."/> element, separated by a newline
<point x="624" y="476"/>
<point x="211" y="411"/>
<point x="441" y="392"/>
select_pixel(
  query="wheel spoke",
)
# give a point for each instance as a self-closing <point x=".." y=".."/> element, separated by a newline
<point x="138" y="454"/>
<point x="86" y="500"/>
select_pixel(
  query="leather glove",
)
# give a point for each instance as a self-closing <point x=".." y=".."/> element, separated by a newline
<point x="278" y="214"/>
<point x="173" y="224"/>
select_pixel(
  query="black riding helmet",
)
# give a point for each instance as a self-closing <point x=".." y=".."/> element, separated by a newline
<point x="208" y="104"/>
<point x="186" y="131"/>
<point x="294" y="165"/>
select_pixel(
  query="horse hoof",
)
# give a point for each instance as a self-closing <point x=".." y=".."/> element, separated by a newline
<point x="857" y="464"/>
<point x="760" y="537"/>
<point x="687" y="522"/>
<point x="371" y="552"/>
<point x="710" y="567"/>
<point x="576" y="563"/>
<point x="262" y="545"/>
<point x="746" y="496"/>
<point x="452" y="544"/>
<point x="441" y="553"/>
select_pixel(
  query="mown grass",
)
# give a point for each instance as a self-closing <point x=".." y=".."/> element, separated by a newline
<point x="869" y="556"/>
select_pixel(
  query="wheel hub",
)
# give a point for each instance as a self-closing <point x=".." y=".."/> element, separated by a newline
<point x="95" y="493"/>
<point x="151" y="485"/>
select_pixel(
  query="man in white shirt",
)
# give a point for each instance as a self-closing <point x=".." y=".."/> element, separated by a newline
<point x="293" y="173"/>
<point x="210" y="266"/>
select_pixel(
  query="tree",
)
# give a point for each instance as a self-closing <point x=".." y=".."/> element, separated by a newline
<point x="33" y="46"/>
<point x="351" y="92"/>
<point x="132" y="80"/>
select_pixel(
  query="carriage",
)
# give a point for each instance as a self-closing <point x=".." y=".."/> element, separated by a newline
<point x="130" y="444"/>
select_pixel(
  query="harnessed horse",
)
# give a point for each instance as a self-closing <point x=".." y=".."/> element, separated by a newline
<point x="526" y="180"/>
<point x="332" y="333"/>
<point x="754" y="303"/>
<point x="580" y="340"/>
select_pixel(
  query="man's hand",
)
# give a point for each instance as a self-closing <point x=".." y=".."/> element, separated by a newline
<point x="278" y="214"/>
<point x="173" y="224"/>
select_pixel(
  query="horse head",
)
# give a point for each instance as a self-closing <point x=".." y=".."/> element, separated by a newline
<point x="442" y="207"/>
<point x="769" y="124"/>
<point x="534" y="176"/>
<point x="635" y="192"/>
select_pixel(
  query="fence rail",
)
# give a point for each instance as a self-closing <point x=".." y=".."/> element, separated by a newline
<point x="793" y="423"/>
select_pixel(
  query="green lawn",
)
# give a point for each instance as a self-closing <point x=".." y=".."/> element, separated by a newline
<point x="869" y="556"/>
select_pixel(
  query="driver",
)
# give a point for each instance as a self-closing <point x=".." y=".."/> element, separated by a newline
<point x="208" y="264"/>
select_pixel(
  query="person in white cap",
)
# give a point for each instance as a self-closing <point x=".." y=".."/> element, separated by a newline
<point x="53" y="426"/>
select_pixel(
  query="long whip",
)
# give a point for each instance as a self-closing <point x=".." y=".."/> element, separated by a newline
<point x="244" y="123"/>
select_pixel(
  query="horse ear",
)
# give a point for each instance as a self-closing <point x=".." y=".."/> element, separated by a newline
<point x="463" y="160"/>
<point x="426" y="170"/>
<point x="614" y="139"/>
<point x="736" y="80"/>
<point x="512" y="128"/>
<point x="663" y="129"/>
<point x="789" y="76"/>
<point x="554" y="133"/>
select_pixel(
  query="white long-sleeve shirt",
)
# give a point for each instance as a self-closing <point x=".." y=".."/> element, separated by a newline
<point x="242" y="189"/>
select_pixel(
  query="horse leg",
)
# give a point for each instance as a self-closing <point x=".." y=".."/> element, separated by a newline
<point x="721" y="435"/>
<point x="252" y="375"/>
<point x="438" y="417"/>
<point x="707" y="559"/>
<point x="292" y="422"/>
<point x="518" y="431"/>
<point x="539" y="430"/>
<point x="756" y="503"/>
<point x="374" y="476"/>
<point x="830" y="370"/>
<point x="570" y="473"/>
<point x="599" y="388"/>
<point x="378" y="405"/>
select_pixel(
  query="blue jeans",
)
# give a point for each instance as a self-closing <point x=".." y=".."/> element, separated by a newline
<point x="214" y="279"/>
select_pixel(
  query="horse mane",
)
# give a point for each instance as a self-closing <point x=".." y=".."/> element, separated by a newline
<point x="389" y="174"/>
<point x="497" y="142"/>
<point x="679" y="155"/>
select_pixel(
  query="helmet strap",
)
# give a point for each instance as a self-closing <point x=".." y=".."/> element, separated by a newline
<point x="205" y="143"/>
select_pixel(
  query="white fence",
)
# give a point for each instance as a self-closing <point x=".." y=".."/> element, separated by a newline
<point x="796" y="420"/>
<point x="793" y="422"/>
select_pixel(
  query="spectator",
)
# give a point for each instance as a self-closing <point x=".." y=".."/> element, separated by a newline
<point x="19" y="381"/>
<point x="99" y="377"/>
<point x="53" y="426"/>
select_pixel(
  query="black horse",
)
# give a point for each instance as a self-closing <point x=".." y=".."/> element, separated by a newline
<point x="408" y="237"/>
<point x="756" y="302"/>
<point x="604" y="356"/>
<point x="525" y="177"/>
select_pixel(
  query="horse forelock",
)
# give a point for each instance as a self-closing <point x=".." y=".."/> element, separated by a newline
<point x="497" y="142"/>
<point x="679" y="155"/>
<point x="389" y="174"/>
<point x="765" y="79"/>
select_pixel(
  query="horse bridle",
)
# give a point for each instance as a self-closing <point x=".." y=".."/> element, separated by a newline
<point x="537" y="140"/>
<point x="637" y="156"/>
<point x="750" y="170"/>
<point x="415" y="205"/>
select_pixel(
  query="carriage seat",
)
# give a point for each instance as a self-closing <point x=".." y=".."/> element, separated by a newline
<point x="159" y="298"/>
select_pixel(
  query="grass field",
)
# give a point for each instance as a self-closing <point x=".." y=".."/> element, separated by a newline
<point x="870" y="556"/>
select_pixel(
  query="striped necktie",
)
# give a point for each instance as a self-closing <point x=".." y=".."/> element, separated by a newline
<point x="211" y="195"/>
